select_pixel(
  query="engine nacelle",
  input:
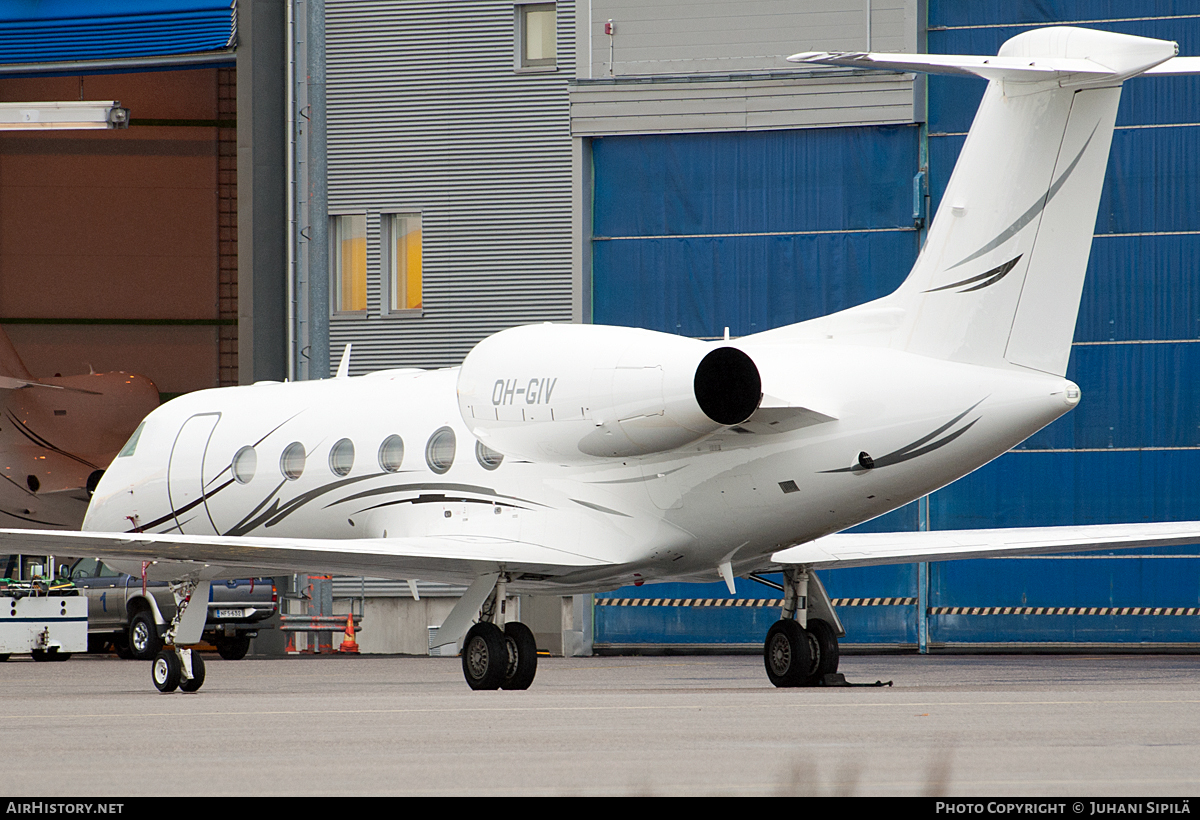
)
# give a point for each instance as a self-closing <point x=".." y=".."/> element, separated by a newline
<point x="578" y="393"/>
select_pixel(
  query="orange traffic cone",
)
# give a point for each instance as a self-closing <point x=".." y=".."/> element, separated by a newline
<point x="349" y="644"/>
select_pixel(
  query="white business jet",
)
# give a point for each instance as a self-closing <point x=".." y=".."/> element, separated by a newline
<point x="578" y="458"/>
<point x="57" y="434"/>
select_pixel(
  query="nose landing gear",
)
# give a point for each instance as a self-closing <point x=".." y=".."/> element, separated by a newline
<point x="180" y="669"/>
<point x="176" y="666"/>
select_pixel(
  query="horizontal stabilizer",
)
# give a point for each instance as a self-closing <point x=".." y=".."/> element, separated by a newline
<point x="1071" y="57"/>
<point x="1175" y="66"/>
<point x="991" y="68"/>
<point x="867" y="549"/>
<point x="429" y="557"/>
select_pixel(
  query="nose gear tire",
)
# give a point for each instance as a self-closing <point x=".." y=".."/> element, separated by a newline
<point x="167" y="671"/>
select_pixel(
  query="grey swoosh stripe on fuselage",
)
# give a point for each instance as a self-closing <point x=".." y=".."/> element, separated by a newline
<point x="1027" y="217"/>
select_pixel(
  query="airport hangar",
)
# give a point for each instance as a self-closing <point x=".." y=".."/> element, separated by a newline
<point x="651" y="164"/>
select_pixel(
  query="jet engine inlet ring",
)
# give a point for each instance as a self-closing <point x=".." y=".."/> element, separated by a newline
<point x="728" y="386"/>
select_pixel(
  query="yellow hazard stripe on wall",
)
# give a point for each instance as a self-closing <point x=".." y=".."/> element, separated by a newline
<point x="746" y="602"/>
<point x="936" y="610"/>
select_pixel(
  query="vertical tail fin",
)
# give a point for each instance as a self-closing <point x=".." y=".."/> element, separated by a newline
<point x="10" y="363"/>
<point x="999" y="278"/>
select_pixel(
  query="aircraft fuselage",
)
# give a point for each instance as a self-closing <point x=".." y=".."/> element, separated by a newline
<point x="737" y="495"/>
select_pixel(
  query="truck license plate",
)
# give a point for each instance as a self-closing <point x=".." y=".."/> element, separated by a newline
<point x="231" y="613"/>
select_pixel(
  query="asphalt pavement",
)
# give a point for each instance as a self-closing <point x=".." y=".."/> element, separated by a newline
<point x="1032" y="725"/>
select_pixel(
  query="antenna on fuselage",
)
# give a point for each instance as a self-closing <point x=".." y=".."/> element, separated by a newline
<point x="344" y="366"/>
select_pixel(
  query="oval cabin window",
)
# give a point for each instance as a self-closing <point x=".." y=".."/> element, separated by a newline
<point x="439" y="452"/>
<point x="245" y="461"/>
<point x="341" y="457"/>
<point x="391" y="454"/>
<point x="291" y="463"/>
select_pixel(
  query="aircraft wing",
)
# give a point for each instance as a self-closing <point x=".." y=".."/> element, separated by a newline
<point x="429" y="557"/>
<point x="866" y="549"/>
<point x="11" y="383"/>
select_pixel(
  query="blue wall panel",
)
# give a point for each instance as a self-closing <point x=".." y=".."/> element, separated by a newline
<point x="625" y="625"/>
<point x="1039" y="489"/>
<point x="681" y="625"/>
<point x="1134" y="395"/>
<point x="1152" y="182"/>
<point x="697" y="286"/>
<point x="1082" y="629"/>
<point x="1140" y="288"/>
<point x="691" y="211"/>
<point x="1089" y="580"/>
<point x="821" y="179"/>
<point x="874" y="624"/>
<point x="1031" y="489"/>
<point x="988" y="12"/>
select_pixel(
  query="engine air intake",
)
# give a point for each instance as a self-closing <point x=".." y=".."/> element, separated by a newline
<point x="728" y="387"/>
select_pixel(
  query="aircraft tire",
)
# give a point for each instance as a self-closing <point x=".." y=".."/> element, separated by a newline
<point x="484" y="657"/>
<point x="197" y="680"/>
<point x="788" y="655"/>
<point x="166" y="671"/>
<point x="522" y="656"/>
<point x="144" y="641"/>
<point x="828" y="654"/>
<point x="233" y="649"/>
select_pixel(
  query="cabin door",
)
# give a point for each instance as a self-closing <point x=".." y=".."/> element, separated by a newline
<point x="185" y="476"/>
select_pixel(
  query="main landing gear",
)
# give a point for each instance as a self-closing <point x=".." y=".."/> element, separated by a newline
<point x="176" y="666"/>
<point x="495" y="656"/>
<point x="799" y="650"/>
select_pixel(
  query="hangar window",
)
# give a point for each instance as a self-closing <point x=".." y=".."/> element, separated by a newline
<point x="536" y="36"/>
<point x="439" y="452"/>
<point x="348" y="262"/>
<point x="341" y="457"/>
<point x="291" y="463"/>
<point x="403" y="238"/>
<point x="391" y="454"/>
<point x="244" y="463"/>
